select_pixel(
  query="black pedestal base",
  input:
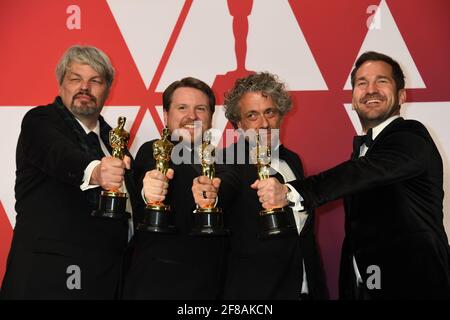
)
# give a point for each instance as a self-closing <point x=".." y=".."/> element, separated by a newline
<point x="112" y="205"/>
<point x="208" y="222"/>
<point x="274" y="222"/>
<point x="157" y="219"/>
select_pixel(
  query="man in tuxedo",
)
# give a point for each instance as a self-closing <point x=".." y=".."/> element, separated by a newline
<point x="178" y="265"/>
<point x="60" y="251"/>
<point x="395" y="245"/>
<point x="280" y="267"/>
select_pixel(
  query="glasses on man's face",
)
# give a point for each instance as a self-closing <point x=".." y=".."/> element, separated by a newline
<point x="269" y="113"/>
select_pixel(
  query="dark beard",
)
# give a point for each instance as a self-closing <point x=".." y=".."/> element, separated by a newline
<point x="371" y="123"/>
<point x="84" y="110"/>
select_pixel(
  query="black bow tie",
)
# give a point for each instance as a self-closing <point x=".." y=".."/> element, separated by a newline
<point x="358" y="141"/>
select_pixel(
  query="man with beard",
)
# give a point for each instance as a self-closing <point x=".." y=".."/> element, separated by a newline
<point x="60" y="251"/>
<point x="179" y="265"/>
<point x="395" y="245"/>
<point x="283" y="266"/>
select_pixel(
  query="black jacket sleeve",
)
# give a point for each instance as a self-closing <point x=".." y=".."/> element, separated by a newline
<point x="46" y="143"/>
<point x="402" y="155"/>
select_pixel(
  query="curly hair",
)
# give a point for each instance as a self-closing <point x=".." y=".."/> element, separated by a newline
<point x="263" y="82"/>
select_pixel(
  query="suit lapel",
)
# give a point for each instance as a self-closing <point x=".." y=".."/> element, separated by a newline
<point x="349" y="200"/>
<point x="389" y="128"/>
<point x="287" y="156"/>
<point x="104" y="133"/>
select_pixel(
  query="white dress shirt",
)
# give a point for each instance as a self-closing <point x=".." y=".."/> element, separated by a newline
<point x="300" y="215"/>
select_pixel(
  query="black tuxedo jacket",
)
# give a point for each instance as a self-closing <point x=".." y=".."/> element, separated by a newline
<point x="393" y="209"/>
<point x="54" y="229"/>
<point x="268" y="268"/>
<point x="176" y="266"/>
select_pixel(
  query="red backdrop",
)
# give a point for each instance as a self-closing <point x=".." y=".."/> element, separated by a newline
<point x="34" y="34"/>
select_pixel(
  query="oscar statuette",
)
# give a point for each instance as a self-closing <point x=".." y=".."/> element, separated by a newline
<point x="272" y="221"/>
<point x="157" y="216"/>
<point x="208" y="220"/>
<point x="113" y="202"/>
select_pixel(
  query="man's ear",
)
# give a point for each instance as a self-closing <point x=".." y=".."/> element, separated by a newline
<point x="353" y="104"/>
<point x="401" y="96"/>
<point x="165" y="117"/>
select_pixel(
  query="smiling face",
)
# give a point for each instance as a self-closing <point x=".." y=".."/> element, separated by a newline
<point x="188" y="105"/>
<point x="83" y="91"/>
<point x="375" y="95"/>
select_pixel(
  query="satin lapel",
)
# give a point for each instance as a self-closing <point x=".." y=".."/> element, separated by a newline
<point x="74" y="128"/>
<point x="105" y="128"/>
<point x="350" y="199"/>
<point x="291" y="161"/>
<point x="294" y="166"/>
<point x="390" y="127"/>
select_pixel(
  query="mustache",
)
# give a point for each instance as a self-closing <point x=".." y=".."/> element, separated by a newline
<point x="196" y="123"/>
<point x="373" y="96"/>
<point x="85" y="93"/>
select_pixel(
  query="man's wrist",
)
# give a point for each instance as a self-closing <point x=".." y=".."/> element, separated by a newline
<point x="89" y="180"/>
<point x="295" y="197"/>
<point x="289" y="197"/>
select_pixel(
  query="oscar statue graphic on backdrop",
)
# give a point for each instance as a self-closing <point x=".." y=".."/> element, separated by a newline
<point x="157" y="217"/>
<point x="113" y="202"/>
<point x="239" y="10"/>
<point x="208" y="220"/>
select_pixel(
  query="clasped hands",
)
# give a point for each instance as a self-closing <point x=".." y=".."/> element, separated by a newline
<point x="156" y="185"/>
<point x="271" y="193"/>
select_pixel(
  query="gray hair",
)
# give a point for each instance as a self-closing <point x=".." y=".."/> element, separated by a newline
<point x="264" y="82"/>
<point x="89" y="55"/>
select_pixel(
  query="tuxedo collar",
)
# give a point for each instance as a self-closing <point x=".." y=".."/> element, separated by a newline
<point x="388" y="126"/>
<point x="379" y="128"/>
<point x="382" y="130"/>
<point x="75" y="126"/>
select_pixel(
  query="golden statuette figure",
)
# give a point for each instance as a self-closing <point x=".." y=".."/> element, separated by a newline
<point x="263" y="161"/>
<point x="261" y="156"/>
<point x="273" y="221"/>
<point x="157" y="216"/>
<point x="207" y="156"/>
<point x="113" y="202"/>
<point x="118" y="139"/>
<point x="208" y="220"/>
<point x="162" y="150"/>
